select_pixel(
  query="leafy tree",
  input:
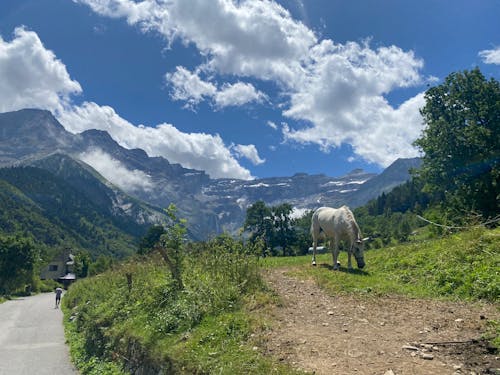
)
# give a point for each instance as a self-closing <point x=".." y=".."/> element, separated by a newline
<point x="461" y="142"/>
<point x="82" y="264"/>
<point x="171" y="245"/>
<point x="17" y="262"/>
<point x="101" y="264"/>
<point x="151" y="238"/>
<point x="284" y="234"/>
<point x="302" y="230"/>
<point x="259" y="222"/>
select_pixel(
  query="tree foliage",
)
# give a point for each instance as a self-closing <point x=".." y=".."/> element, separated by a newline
<point x="461" y="142"/>
<point x="17" y="262"/>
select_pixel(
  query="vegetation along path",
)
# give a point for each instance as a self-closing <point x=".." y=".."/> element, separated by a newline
<point x="365" y="334"/>
<point x="32" y="337"/>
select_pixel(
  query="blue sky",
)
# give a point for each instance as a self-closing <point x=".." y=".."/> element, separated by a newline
<point x="244" y="89"/>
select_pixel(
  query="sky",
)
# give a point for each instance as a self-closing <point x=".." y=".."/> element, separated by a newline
<point x="244" y="89"/>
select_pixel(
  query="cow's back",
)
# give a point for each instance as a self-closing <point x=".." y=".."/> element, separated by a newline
<point x="336" y="222"/>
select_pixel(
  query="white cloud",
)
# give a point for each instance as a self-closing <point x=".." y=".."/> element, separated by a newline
<point x="237" y="94"/>
<point x="250" y="152"/>
<point x="343" y="101"/>
<point x="188" y="86"/>
<point x="272" y="125"/>
<point x="115" y="172"/>
<point x="251" y="38"/>
<point x="192" y="150"/>
<point x="338" y="89"/>
<point x="31" y="76"/>
<point x="491" y="56"/>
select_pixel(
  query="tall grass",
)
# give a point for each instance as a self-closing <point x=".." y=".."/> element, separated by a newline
<point x="152" y="326"/>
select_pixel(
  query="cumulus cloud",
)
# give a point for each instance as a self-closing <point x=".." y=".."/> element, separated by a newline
<point x="336" y="92"/>
<point x="343" y="101"/>
<point x="191" y="88"/>
<point x="491" y="56"/>
<point x="237" y="94"/>
<point x="32" y="76"/>
<point x="250" y="152"/>
<point x="252" y="38"/>
<point x="115" y="172"/>
<point x="192" y="150"/>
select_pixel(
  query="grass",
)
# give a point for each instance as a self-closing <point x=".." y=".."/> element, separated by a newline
<point x="465" y="266"/>
<point x="209" y="326"/>
<point x="151" y="326"/>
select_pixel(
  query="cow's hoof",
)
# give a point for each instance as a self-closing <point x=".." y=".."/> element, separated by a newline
<point x="313" y="263"/>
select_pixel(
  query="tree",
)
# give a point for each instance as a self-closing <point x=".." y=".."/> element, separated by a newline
<point x="170" y="245"/>
<point x="302" y="230"/>
<point x="17" y="262"/>
<point x="101" y="264"/>
<point x="82" y="263"/>
<point x="151" y="238"/>
<point x="461" y="142"/>
<point x="259" y="222"/>
<point x="284" y="234"/>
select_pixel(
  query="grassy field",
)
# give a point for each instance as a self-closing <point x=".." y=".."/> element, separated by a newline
<point x="207" y="327"/>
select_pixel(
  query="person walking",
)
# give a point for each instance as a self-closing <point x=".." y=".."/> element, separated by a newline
<point x="58" y="296"/>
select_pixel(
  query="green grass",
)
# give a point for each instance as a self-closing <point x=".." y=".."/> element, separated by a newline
<point x="204" y="328"/>
<point x="465" y="266"/>
<point x="210" y="326"/>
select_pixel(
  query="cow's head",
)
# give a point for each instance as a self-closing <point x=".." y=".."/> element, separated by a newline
<point x="359" y="253"/>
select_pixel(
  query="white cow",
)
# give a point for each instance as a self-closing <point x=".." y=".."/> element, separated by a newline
<point x="337" y="224"/>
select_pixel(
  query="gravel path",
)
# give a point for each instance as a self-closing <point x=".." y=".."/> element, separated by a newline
<point x="32" y="337"/>
<point x="349" y="334"/>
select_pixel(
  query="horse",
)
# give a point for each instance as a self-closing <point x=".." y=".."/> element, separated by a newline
<point x="338" y="224"/>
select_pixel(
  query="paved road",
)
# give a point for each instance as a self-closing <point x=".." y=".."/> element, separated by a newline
<point x="32" y="338"/>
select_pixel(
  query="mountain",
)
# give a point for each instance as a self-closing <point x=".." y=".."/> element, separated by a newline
<point x="211" y="206"/>
<point x="48" y="209"/>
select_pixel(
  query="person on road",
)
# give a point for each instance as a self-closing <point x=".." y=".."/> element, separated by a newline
<point x="58" y="296"/>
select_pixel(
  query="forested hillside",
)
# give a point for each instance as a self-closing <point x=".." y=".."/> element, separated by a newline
<point x="38" y="205"/>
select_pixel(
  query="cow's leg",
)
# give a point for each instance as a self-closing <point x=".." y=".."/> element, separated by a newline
<point x="349" y="253"/>
<point x="335" y="252"/>
<point x="315" y="243"/>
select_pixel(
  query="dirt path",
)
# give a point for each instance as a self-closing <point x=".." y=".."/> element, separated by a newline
<point x="376" y="335"/>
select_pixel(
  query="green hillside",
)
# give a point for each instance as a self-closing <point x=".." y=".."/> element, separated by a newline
<point x="37" y="204"/>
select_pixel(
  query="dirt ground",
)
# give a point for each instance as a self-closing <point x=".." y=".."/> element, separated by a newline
<point x="376" y="335"/>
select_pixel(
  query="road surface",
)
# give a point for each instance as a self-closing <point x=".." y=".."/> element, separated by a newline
<point x="32" y="337"/>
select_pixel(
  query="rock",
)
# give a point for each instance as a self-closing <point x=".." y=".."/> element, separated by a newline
<point x="409" y="347"/>
<point x="330" y="312"/>
<point x="389" y="372"/>
<point x="427" y="356"/>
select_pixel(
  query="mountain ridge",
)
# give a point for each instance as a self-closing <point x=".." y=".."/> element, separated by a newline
<point x="211" y="206"/>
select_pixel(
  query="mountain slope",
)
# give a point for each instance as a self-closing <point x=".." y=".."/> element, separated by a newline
<point x="47" y="208"/>
<point x="211" y="206"/>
